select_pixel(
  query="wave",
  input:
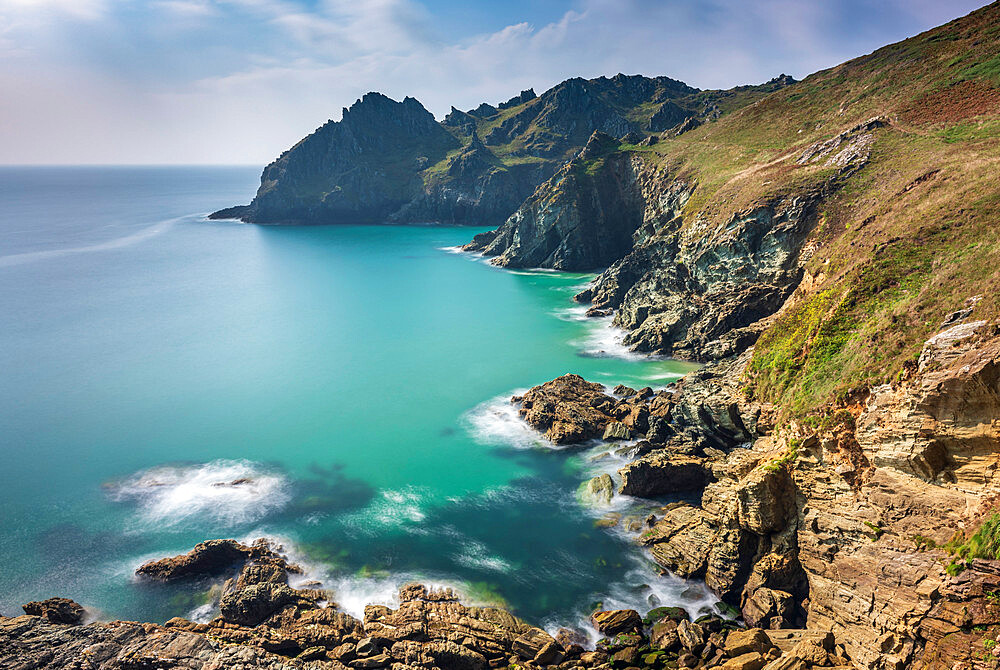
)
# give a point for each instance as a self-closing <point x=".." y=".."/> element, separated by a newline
<point x="391" y="509"/>
<point x="605" y="340"/>
<point x="477" y="556"/>
<point x="496" y="422"/>
<point x="231" y="492"/>
<point x="117" y="243"/>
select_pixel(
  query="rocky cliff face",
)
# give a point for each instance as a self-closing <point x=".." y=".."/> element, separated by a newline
<point x="580" y="219"/>
<point x="391" y="161"/>
<point x="842" y="528"/>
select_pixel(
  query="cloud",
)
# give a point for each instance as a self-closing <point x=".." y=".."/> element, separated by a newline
<point x="241" y="80"/>
<point x="80" y="9"/>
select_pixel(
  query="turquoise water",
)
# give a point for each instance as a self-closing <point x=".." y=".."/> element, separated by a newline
<point x="357" y="376"/>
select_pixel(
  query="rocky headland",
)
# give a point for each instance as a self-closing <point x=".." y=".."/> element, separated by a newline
<point x="388" y="161"/>
<point x="827" y="248"/>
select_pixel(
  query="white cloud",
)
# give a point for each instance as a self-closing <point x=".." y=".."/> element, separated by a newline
<point x="297" y="66"/>
<point x="80" y="9"/>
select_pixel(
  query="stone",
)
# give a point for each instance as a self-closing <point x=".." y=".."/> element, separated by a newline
<point x="616" y="430"/>
<point x="740" y="642"/>
<point x="768" y="608"/>
<point x="749" y="661"/>
<point x="550" y="654"/>
<point x="599" y="490"/>
<point x="568" y="409"/>
<point x="659" y="474"/>
<point x="811" y="652"/>
<point x="786" y="639"/>
<point x="786" y="663"/>
<point x="531" y="643"/>
<point x="663" y="634"/>
<point x="691" y="636"/>
<point x="611" y="622"/>
<point x="256" y="603"/>
<point x="56" y="610"/>
<point x="206" y="559"/>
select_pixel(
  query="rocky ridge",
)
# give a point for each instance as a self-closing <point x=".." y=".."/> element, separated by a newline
<point x="388" y="161"/>
<point x="265" y="624"/>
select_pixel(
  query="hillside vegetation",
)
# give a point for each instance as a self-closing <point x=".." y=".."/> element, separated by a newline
<point x="898" y="244"/>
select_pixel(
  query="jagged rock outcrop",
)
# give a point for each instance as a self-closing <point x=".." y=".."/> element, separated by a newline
<point x="581" y="219"/>
<point x="278" y="627"/>
<point x="207" y="559"/>
<point x="56" y="610"/>
<point x="391" y="161"/>
<point x="359" y="169"/>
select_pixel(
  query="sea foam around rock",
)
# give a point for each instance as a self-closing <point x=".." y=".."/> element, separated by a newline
<point x="230" y="492"/>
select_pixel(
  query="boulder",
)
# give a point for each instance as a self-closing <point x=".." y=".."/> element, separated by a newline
<point x="663" y="635"/>
<point x="531" y="643"/>
<point x="691" y="636"/>
<point x="660" y="473"/>
<point x="56" y="610"/>
<point x="611" y="622"/>
<point x="749" y="661"/>
<point x="741" y="642"/>
<point x="600" y="489"/>
<point x="257" y="602"/>
<point x="769" y="608"/>
<point x="616" y="430"/>
<point x="210" y="558"/>
<point x="567" y="410"/>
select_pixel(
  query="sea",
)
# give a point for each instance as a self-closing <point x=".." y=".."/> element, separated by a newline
<point x="342" y="390"/>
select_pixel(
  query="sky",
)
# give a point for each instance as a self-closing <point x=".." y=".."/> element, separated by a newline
<point x="238" y="81"/>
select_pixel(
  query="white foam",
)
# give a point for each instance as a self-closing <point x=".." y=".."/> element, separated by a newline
<point x="497" y="422"/>
<point x="232" y="492"/>
<point x="574" y="313"/>
<point x="605" y="340"/>
<point x="202" y="613"/>
<point x="476" y="555"/>
<point x="391" y="509"/>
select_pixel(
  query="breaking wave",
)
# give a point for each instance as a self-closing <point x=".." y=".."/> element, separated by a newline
<point x="231" y="492"/>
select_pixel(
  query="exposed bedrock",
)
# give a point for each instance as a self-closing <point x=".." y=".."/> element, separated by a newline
<point x="687" y="288"/>
<point x="264" y="624"/>
<point x="696" y="293"/>
<point x="836" y="529"/>
<point x="582" y="218"/>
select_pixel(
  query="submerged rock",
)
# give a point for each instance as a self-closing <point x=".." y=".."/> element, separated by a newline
<point x="600" y="489"/>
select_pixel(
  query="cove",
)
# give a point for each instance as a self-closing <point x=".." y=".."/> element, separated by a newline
<point x="344" y="388"/>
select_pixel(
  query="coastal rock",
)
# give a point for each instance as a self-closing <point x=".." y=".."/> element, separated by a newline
<point x="56" y="610"/>
<point x="612" y="622"/>
<point x="568" y="409"/>
<point x="579" y="219"/>
<point x="600" y="489"/>
<point x="256" y="603"/>
<point x="662" y="473"/>
<point x="210" y="558"/>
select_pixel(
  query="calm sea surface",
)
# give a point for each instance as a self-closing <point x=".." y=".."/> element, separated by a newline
<point x="352" y="381"/>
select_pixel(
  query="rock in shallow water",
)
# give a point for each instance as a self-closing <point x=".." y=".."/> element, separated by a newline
<point x="56" y="610"/>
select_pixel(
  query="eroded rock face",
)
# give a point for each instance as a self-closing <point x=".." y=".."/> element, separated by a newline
<point x="577" y="220"/>
<point x="207" y="558"/>
<point x="568" y="409"/>
<point x="56" y="610"/>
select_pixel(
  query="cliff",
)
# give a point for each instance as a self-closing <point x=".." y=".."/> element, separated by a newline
<point x="388" y="161"/>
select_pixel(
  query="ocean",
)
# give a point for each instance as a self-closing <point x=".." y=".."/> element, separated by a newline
<point x="165" y="380"/>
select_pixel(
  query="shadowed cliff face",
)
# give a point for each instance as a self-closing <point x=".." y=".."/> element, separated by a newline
<point x="391" y="161"/>
<point x="362" y="168"/>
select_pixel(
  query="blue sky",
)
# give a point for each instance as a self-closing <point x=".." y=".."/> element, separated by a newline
<point x="238" y="81"/>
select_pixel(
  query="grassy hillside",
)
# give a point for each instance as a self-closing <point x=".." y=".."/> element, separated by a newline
<point x="900" y="243"/>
